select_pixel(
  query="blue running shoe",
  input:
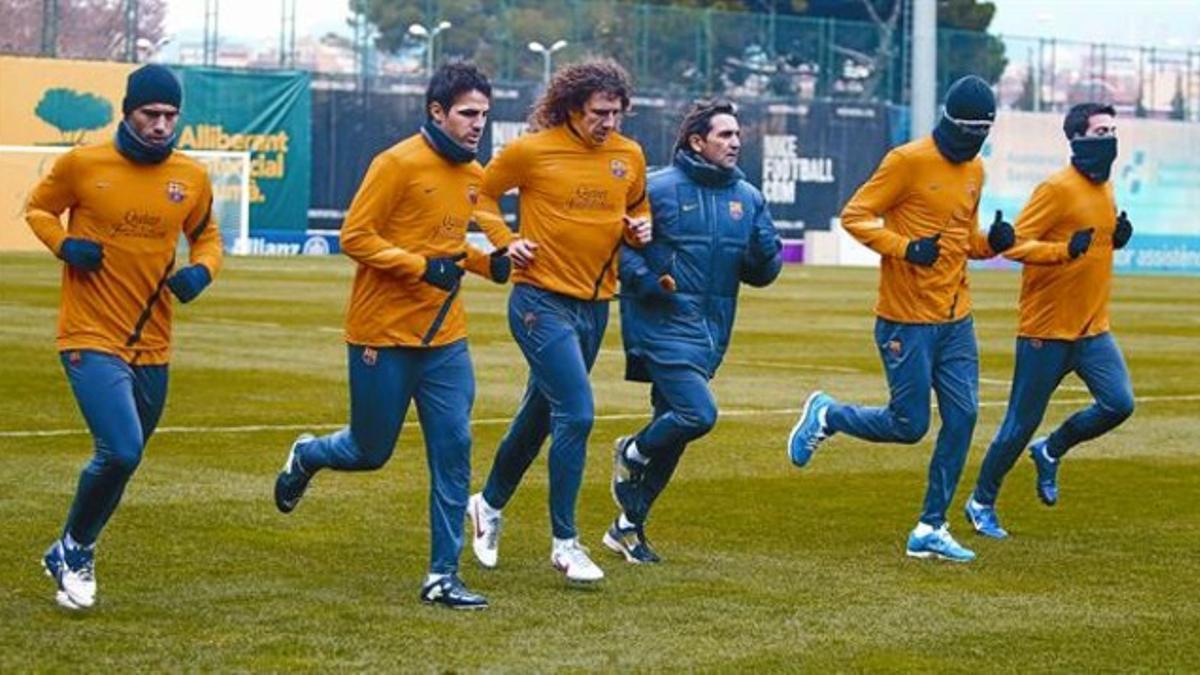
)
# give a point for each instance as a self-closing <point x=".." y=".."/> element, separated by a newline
<point x="810" y="429"/>
<point x="1047" y="472"/>
<point x="627" y="476"/>
<point x="983" y="518"/>
<point x="630" y="542"/>
<point x="74" y="572"/>
<point x="937" y="544"/>
<point x="450" y="591"/>
<point x="292" y="481"/>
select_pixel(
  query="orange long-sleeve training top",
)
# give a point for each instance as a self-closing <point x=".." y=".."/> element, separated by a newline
<point x="573" y="197"/>
<point x="1064" y="299"/>
<point x="413" y="204"/>
<point x="915" y="193"/>
<point x="136" y="212"/>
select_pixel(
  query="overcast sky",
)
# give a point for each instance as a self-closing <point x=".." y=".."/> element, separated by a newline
<point x="1163" y="23"/>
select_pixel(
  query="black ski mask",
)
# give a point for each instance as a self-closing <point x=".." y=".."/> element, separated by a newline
<point x="967" y="118"/>
<point x="958" y="143"/>
<point x="1093" y="156"/>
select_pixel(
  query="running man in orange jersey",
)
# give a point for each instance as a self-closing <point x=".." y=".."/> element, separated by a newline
<point x="1066" y="235"/>
<point x="582" y="190"/>
<point x="128" y="202"/>
<point x="919" y="211"/>
<point x="406" y="328"/>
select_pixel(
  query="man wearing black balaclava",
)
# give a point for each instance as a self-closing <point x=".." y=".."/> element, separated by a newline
<point x="1066" y="236"/>
<point x="919" y="211"/>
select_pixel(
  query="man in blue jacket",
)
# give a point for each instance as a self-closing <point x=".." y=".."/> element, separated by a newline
<point x="712" y="231"/>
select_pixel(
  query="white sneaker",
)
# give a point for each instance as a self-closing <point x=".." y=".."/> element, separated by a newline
<point x="74" y="571"/>
<point x="485" y="530"/>
<point x="571" y="558"/>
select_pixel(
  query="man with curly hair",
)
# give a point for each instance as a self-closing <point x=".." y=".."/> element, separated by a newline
<point x="582" y="191"/>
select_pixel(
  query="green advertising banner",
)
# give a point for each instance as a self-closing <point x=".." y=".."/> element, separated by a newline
<point x="265" y="113"/>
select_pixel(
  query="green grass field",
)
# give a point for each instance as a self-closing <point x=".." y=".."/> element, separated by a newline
<point x="767" y="567"/>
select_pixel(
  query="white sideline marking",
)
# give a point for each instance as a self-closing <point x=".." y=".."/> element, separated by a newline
<point x="492" y="421"/>
<point x="791" y="366"/>
<point x="1008" y="384"/>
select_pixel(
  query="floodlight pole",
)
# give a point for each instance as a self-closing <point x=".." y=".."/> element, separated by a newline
<point x="547" y="56"/>
<point x="430" y="36"/>
<point x="924" y="67"/>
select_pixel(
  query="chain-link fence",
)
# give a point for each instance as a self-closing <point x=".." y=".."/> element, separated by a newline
<point x="669" y="50"/>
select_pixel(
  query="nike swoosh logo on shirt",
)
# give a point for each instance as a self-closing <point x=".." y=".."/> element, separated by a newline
<point x="690" y="207"/>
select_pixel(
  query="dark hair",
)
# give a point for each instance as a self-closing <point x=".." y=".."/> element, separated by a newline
<point x="571" y="87"/>
<point x="452" y="80"/>
<point x="1076" y="121"/>
<point x="698" y="120"/>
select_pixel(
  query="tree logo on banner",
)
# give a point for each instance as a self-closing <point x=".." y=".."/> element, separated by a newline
<point x="73" y="113"/>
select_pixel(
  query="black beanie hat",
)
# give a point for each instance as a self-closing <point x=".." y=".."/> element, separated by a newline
<point x="151" y="83"/>
<point x="970" y="98"/>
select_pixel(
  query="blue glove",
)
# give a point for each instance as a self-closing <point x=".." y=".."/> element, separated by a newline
<point x="923" y="252"/>
<point x="660" y="259"/>
<point x="82" y="254"/>
<point x="443" y="272"/>
<point x="764" y="244"/>
<point x="646" y="286"/>
<point x="188" y="282"/>
<point x="1080" y="242"/>
<point x="1123" y="231"/>
<point x="1001" y="235"/>
<point x="499" y="266"/>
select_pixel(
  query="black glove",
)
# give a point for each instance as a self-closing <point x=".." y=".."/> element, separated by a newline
<point x="1123" y="231"/>
<point x="1001" y="236"/>
<point x="443" y="272"/>
<point x="1080" y="242"/>
<point x="923" y="252"/>
<point x="83" y="254"/>
<point x="499" y="265"/>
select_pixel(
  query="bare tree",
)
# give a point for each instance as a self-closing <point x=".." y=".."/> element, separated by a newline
<point x="88" y="29"/>
<point x="878" y="62"/>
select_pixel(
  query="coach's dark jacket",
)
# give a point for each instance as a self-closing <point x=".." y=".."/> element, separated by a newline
<point x="716" y="232"/>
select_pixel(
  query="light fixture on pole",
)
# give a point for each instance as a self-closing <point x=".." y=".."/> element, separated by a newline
<point x="539" y="48"/>
<point x="418" y="31"/>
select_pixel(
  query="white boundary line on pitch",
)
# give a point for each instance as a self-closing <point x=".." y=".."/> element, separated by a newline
<point x="492" y="421"/>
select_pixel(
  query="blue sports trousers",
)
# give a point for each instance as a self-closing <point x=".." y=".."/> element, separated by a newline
<point x="916" y="358"/>
<point x="1040" y="367"/>
<point x="560" y="338"/>
<point x="684" y="410"/>
<point x="122" y="404"/>
<point x="383" y="381"/>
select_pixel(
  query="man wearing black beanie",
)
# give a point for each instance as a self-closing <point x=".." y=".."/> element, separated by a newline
<point x="919" y="211"/>
<point x="128" y="200"/>
<point x="1066" y="236"/>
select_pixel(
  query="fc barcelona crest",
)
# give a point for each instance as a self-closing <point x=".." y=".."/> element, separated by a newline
<point x="735" y="210"/>
<point x="175" y="191"/>
<point x="618" y="168"/>
<point x="473" y="193"/>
